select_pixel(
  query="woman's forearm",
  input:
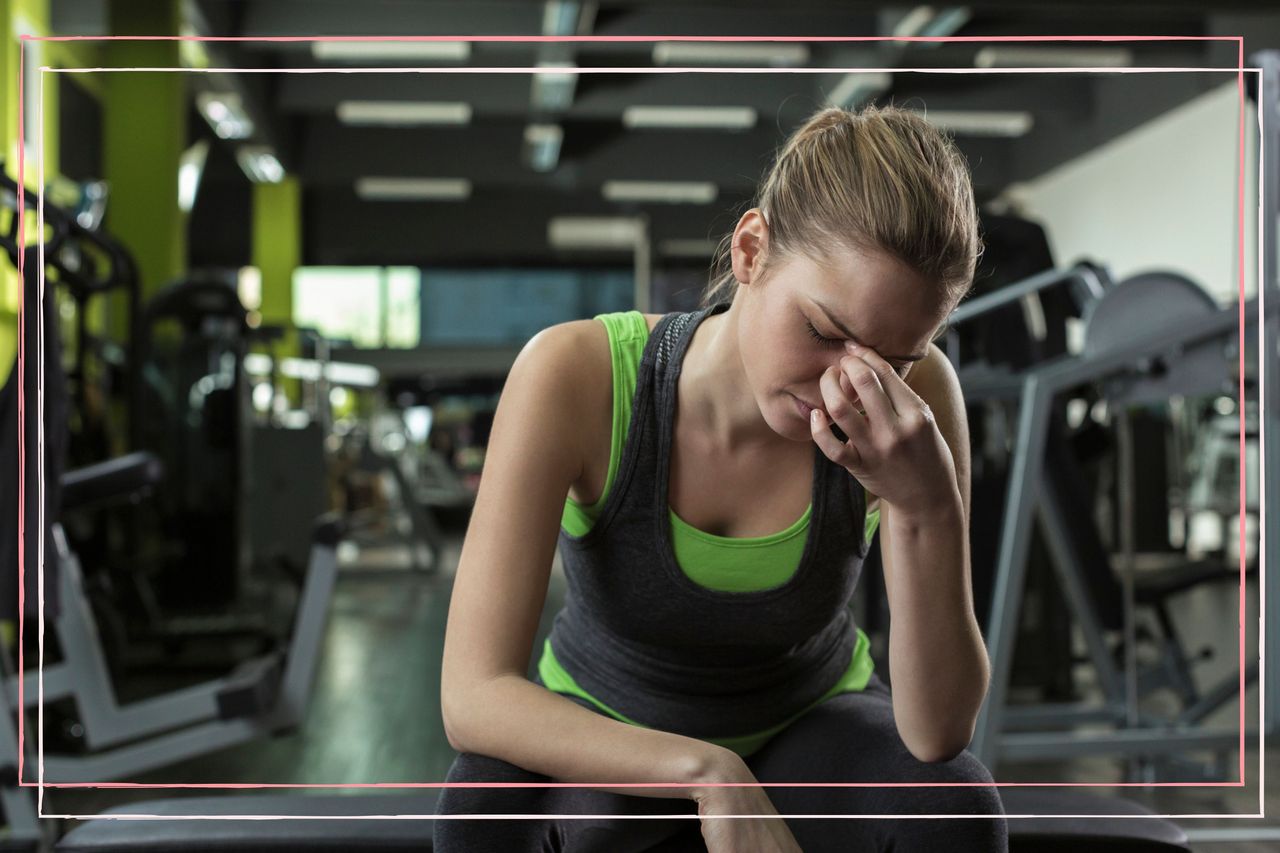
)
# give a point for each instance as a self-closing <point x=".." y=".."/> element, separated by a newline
<point x="512" y="719"/>
<point x="937" y="659"/>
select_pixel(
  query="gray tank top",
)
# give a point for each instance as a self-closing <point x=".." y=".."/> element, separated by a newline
<point x="643" y="638"/>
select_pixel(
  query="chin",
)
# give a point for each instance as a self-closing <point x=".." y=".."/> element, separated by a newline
<point x="787" y="424"/>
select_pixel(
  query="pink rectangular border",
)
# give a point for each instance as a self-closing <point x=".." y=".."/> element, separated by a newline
<point x="22" y="345"/>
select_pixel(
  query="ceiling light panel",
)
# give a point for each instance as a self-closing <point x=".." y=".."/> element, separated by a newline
<point x="413" y="189"/>
<point x="981" y="123"/>
<point x="1053" y="57"/>
<point x="259" y="164"/>
<point x="710" y="118"/>
<point x="661" y="192"/>
<point x="552" y="91"/>
<point x="542" y="146"/>
<point x="225" y="113"/>
<point x="404" y="113"/>
<point x="856" y="88"/>
<point x="391" y="51"/>
<point x="729" y="53"/>
<point x="594" y="232"/>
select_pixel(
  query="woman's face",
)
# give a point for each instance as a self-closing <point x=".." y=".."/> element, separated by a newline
<point x="794" y="326"/>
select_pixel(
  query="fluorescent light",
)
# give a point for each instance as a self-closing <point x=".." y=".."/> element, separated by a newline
<point x="858" y="87"/>
<point x="403" y="113"/>
<point x="259" y="164"/>
<point x="392" y="51"/>
<point x="594" y="232"/>
<point x="190" y="168"/>
<point x="720" y="118"/>
<point x="980" y="123"/>
<point x="565" y="17"/>
<point x="729" y="53"/>
<point x="665" y="192"/>
<point x="413" y="189"/>
<point x="945" y="23"/>
<point x="687" y="248"/>
<point x="225" y="114"/>
<point x="310" y="370"/>
<point x="929" y="22"/>
<point x="1053" y="57"/>
<point x="552" y="91"/>
<point x="542" y="146"/>
<point x="345" y="373"/>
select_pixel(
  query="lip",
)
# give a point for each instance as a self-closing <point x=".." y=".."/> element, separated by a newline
<point x="803" y="407"/>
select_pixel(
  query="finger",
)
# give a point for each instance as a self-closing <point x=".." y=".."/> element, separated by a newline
<point x="895" y="387"/>
<point x="840" y="409"/>
<point x="870" y="390"/>
<point x="839" y="452"/>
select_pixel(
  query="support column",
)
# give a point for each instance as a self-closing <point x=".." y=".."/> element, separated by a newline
<point x="144" y="133"/>
<point x="277" y="252"/>
<point x="19" y="17"/>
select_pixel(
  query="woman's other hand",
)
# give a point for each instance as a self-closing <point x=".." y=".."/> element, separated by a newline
<point x="768" y="834"/>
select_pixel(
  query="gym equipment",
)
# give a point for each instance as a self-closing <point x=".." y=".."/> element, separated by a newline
<point x="1146" y="339"/>
<point x="1269" y="284"/>
<point x="1114" y="830"/>
<point x="385" y="450"/>
<point x="263" y="695"/>
<point x="192" y="347"/>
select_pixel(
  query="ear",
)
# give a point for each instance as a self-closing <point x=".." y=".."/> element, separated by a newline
<point x="750" y="242"/>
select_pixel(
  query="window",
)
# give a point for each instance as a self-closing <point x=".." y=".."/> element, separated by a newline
<point x="370" y="307"/>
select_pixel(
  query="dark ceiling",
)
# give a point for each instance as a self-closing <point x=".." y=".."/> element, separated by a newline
<point x="505" y="219"/>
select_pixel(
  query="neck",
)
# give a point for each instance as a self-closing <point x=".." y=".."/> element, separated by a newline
<point x="715" y="400"/>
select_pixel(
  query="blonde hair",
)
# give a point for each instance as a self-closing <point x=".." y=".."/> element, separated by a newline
<point x="881" y="178"/>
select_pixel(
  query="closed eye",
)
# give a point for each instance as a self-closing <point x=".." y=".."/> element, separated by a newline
<point x="823" y="340"/>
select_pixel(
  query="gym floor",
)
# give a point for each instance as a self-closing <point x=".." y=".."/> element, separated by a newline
<point x="375" y="714"/>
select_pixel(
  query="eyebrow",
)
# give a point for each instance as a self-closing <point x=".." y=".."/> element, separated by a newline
<point x="851" y="336"/>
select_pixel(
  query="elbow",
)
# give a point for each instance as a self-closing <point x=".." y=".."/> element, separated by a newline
<point x="450" y="715"/>
<point x="939" y="749"/>
<point x="938" y="754"/>
<point x="450" y="734"/>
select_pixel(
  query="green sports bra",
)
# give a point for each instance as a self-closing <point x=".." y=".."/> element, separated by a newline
<point x="727" y="564"/>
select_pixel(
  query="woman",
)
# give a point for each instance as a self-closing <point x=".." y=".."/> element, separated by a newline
<point x="725" y="470"/>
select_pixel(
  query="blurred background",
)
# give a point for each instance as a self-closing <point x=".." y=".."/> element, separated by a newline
<point x="285" y="281"/>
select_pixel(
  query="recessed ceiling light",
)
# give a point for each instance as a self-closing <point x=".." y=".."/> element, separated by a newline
<point x="413" y="189"/>
<point x="595" y="232"/>
<point x="717" y="118"/>
<point x="552" y="91"/>
<point x="1053" y="57"/>
<point x="662" y="192"/>
<point x="859" y="87"/>
<point x="542" y="146"/>
<point x="225" y="113"/>
<point x="392" y="51"/>
<point x="403" y="113"/>
<point x="259" y="164"/>
<point x="729" y="53"/>
<point x="981" y="123"/>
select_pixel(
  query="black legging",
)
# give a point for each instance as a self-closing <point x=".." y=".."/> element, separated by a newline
<point x="848" y="738"/>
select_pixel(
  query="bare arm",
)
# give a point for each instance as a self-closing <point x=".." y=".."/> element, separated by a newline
<point x="489" y="707"/>
<point x="936" y="654"/>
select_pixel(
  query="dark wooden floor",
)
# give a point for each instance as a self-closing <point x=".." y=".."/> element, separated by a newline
<point x="375" y="714"/>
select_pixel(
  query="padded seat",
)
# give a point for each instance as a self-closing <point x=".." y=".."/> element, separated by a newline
<point x="1116" y="834"/>
<point x="1094" y="834"/>
<point x="274" y="836"/>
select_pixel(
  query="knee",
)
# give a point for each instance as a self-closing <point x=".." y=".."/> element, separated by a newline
<point x="964" y="784"/>
<point x="468" y="767"/>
